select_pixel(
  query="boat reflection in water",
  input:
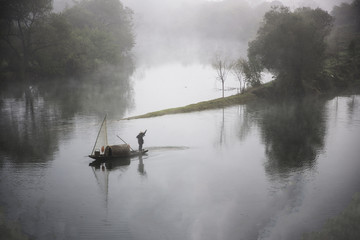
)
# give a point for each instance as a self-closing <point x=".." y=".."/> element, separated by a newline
<point x="117" y="163"/>
<point x="102" y="169"/>
<point x="141" y="166"/>
<point x="110" y="164"/>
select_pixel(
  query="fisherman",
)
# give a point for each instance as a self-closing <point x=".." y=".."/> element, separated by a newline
<point x="140" y="138"/>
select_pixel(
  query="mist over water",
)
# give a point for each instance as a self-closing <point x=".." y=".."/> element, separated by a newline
<point x="257" y="171"/>
<point x="260" y="171"/>
<point x="177" y="42"/>
<point x="192" y="31"/>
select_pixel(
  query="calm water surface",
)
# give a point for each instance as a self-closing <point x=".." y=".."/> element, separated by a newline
<point x="257" y="171"/>
<point x="157" y="87"/>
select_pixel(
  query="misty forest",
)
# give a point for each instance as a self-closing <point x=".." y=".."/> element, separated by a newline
<point x="182" y="119"/>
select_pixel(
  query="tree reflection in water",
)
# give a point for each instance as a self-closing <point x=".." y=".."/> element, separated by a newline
<point x="34" y="116"/>
<point x="293" y="133"/>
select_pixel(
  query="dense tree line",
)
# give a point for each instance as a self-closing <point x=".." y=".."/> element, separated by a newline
<point x="344" y="46"/>
<point x="90" y="34"/>
<point x="308" y="50"/>
<point x="291" y="45"/>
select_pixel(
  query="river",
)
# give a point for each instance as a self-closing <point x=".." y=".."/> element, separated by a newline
<point x="255" y="171"/>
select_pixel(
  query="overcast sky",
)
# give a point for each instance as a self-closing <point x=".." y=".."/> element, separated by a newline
<point x="324" y="4"/>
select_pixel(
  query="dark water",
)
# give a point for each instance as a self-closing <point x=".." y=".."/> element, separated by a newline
<point x="258" y="171"/>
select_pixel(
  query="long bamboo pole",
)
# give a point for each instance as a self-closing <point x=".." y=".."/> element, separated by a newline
<point x="125" y="142"/>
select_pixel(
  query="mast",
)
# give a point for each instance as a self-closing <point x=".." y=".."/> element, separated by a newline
<point x="103" y="124"/>
<point x="105" y="127"/>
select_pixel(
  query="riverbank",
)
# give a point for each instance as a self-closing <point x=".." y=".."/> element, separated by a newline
<point x="243" y="98"/>
<point x="265" y="91"/>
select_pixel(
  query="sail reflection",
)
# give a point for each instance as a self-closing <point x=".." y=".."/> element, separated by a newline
<point x="101" y="174"/>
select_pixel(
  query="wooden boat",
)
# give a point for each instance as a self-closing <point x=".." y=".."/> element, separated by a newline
<point x="104" y="152"/>
<point x="131" y="155"/>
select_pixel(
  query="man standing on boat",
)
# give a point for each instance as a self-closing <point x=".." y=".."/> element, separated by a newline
<point x="140" y="138"/>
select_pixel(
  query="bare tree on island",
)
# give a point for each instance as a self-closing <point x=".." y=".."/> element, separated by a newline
<point x="238" y="71"/>
<point x="222" y="67"/>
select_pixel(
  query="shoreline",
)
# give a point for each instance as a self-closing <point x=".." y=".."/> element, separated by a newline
<point x="252" y="94"/>
<point x="241" y="98"/>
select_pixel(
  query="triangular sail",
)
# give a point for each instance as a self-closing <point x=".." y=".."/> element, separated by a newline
<point x="101" y="140"/>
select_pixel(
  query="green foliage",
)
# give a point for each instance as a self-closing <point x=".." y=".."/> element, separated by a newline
<point x="344" y="46"/>
<point x="100" y="34"/>
<point x="252" y="70"/>
<point x="55" y="32"/>
<point x="20" y="23"/>
<point x="83" y="38"/>
<point x="291" y="45"/>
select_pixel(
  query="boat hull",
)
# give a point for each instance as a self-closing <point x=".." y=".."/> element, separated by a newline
<point x="131" y="154"/>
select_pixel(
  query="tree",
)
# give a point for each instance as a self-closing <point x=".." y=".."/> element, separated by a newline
<point x="19" y="23"/>
<point x="344" y="45"/>
<point x="238" y="71"/>
<point x="101" y="34"/>
<point x="291" y="45"/>
<point x="91" y="34"/>
<point x="56" y="33"/>
<point x="222" y="67"/>
<point x="252" y="70"/>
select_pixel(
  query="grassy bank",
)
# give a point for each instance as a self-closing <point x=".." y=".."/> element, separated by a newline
<point x="243" y="98"/>
<point x="266" y="91"/>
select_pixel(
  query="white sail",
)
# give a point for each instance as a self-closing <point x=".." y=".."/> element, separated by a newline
<point x="101" y="140"/>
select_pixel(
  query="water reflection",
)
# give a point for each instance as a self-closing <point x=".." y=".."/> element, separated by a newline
<point x="111" y="164"/>
<point x="222" y="129"/>
<point x="106" y="91"/>
<point x="35" y="115"/>
<point x="352" y="105"/>
<point x="189" y="187"/>
<point x="141" y="166"/>
<point x="102" y="171"/>
<point x="246" y="122"/>
<point x="27" y="127"/>
<point x="293" y="133"/>
<point x="118" y="164"/>
<point x="101" y="174"/>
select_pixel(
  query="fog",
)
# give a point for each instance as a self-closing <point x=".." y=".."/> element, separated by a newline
<point x="323" y="4"/>
<point x="189" y="31"/>
<point x="193" y="31"/>
<point x="262" y="170"/>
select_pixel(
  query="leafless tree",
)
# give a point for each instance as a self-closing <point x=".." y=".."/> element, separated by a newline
<point x="238" y="71"/>
<point x="222" y="67"/>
